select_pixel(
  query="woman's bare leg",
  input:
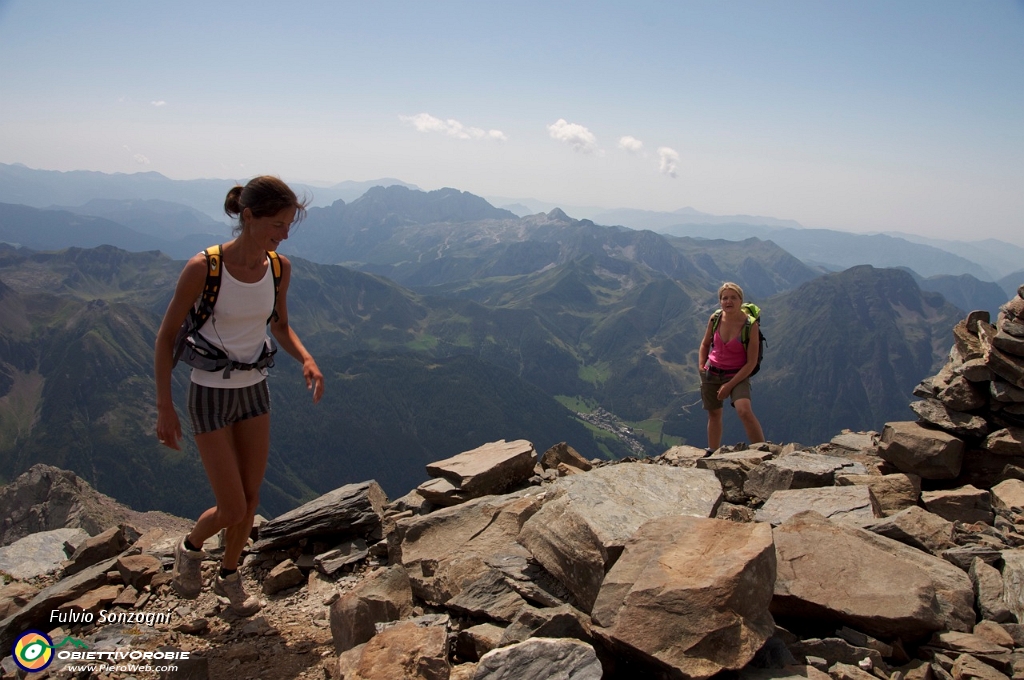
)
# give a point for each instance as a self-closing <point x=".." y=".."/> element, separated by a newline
<point x="749" y="420"/>
<point x="235" y="459"/>
<point x="251" y="436"/>
<point x="714" y="429"/>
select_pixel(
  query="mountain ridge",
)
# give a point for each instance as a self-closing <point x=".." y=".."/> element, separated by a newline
<point x="80" y="334"/>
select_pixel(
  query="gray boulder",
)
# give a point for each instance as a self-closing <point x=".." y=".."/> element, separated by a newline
<point x="562" y="453"/>
<point x="1009" y="495"/>
<point x="841" y="503"/>
<point x="733" y="469"/>
<point x="1008" y="441"/>
<point x="691" y="593"/>
<point x="581" y="529"/>
<point x="989" y="592"/>
<point x="965" y="504"/>
<point x="39" y="553"/>
<point x="917" y="528"/>
<point x="893" y="492"/>
<point x="348" y="511"/>
<point x="856" y="441"/>
<point x="563" y="621"/>
<point x="837" y="574"/>
<point x="801" y="470"/>
<point x="939" y="415"/>
<point x="1013" y="581"/>
<point x="100" y="547"/>
<point x="385" y="595"/>
<point x="450" y="548"/>
<point x="915" y="449"/>
<point x="488" y="596"/>
<point x="541" y="659"/>
<point x="490" y="469"/>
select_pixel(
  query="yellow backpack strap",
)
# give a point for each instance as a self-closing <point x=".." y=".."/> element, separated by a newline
<point x="275" y="270"/>
<point x="211" y="288"/>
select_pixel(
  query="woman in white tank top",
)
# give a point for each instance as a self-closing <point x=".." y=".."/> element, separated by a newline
<point x="230" y="412"/>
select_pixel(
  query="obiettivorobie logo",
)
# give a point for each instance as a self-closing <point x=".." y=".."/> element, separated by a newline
<point x="33" y="650"/>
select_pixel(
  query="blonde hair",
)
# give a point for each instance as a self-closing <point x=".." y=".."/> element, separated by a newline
<point x="729" y="285"/>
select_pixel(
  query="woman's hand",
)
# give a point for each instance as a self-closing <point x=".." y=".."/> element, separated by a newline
<point x="168" y="427"/>
<point x="724" y="391"/>
<point x="314" y="378"/>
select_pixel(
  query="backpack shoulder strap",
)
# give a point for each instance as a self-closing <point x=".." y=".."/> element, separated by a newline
<point x="202" y="311"/>
<point x="745" y="331"/>
<point x="275" y="270"/>
<point x="716" y="318"/>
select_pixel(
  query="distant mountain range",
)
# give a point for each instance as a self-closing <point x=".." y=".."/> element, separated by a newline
<point x="988" y="260"/>
<point x="836" y="250"/>
<point x="49" y="188"/>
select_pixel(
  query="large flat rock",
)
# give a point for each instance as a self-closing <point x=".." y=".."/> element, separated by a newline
<point x="449" y="549"/>
<point x="800" y="470"/>
<point x="692" y="593"/>
<point x="921" y="451"/>
<point x="490" y="469"/>
<point x="347" y="512"/>
<point x="840" y="503"/>
<point x="837" y="574"/>
<point x="581" y="530"/>
<point x="39" y="553"/>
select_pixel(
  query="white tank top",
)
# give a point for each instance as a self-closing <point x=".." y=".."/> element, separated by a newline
<point x="238" y="325"/>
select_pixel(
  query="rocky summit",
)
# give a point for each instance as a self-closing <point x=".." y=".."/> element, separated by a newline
<point x="896" y="555"/>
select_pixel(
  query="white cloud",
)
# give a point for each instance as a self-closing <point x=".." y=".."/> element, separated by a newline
<point x="158" y="102"/>
<point x="578" y="137"/>
<point x="669" y="161"/>
<point x="631" y="144"/>
<point x="424" y="122"/>
<point x="137" y="157"/>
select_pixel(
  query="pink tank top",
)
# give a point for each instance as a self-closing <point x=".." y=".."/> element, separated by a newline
<point x="727" y="356"/>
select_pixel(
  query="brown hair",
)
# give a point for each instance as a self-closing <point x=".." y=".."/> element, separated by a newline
<point x="263" y="196"/>
<point x="729" y="285"/>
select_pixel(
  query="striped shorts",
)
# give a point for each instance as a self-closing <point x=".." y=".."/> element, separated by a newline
<point x="211" y="408"/>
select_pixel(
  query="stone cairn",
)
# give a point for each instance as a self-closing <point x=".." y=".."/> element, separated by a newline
<point x="978" y="395"/>
<point x="889" y="556"/>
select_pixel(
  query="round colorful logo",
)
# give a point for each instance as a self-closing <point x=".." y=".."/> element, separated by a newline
<point x="32" y="651"/>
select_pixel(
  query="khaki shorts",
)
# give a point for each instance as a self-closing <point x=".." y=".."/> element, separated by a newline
<point x="709" y="384"/>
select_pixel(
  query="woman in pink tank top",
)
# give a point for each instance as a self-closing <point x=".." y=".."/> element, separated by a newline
<point x="725" y="366"/>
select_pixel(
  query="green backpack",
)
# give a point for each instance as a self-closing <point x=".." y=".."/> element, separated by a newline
<point x="753" y="314"/>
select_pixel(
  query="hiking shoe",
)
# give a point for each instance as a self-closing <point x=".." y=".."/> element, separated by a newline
<point x="187" y="577"/>
<point x="231" y="588"/>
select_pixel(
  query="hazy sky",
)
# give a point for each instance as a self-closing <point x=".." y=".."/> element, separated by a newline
<point x="859" y="116"/>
